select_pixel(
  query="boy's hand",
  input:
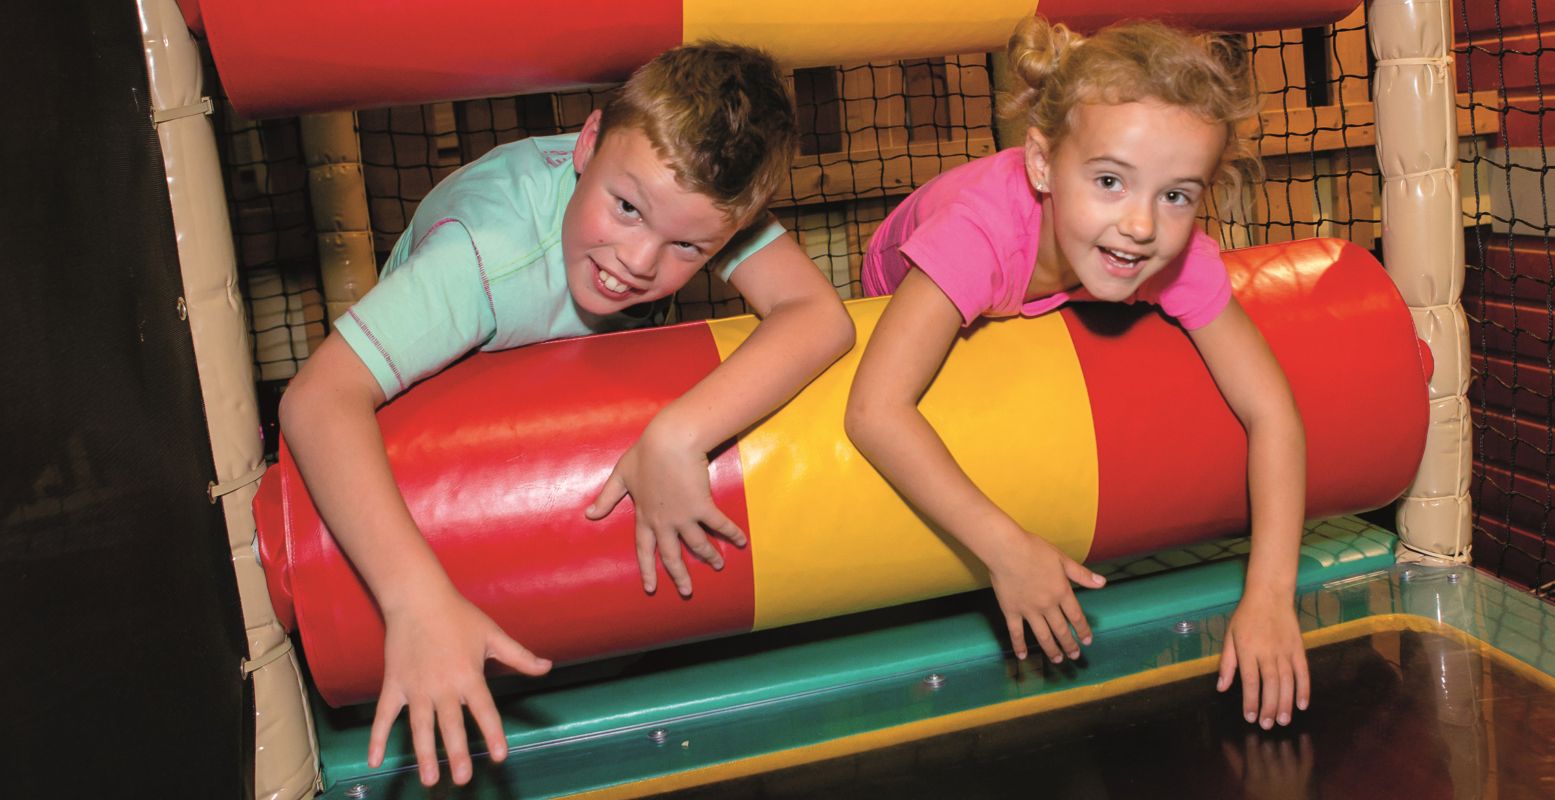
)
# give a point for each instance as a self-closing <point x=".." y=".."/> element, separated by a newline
<point x="1031" y="580"/>
<point x="1264" y="640"/>
<point x="435" y="653"/>
<point x="669" y="485"/>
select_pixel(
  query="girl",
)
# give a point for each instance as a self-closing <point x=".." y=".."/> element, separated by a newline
<point x="1127" y="130"/>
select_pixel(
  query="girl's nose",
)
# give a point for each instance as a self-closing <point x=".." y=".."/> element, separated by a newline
<point x="1138" y="224"/>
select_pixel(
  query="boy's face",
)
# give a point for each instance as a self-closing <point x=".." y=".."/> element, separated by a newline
<point x="1122" y="191"/>
<point x="631" y="233"/>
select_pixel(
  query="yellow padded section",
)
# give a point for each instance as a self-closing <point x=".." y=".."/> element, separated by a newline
<point x="824" y="32"/>
<point x="830" y="536"/>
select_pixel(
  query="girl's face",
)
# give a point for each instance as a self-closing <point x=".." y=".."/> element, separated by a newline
<point x="1120" y="193"/>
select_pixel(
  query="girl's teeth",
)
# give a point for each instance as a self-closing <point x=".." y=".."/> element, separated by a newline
<point x="610" y="282"/>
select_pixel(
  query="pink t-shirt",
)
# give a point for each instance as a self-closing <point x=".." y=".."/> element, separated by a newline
<point x="974" y="231"/>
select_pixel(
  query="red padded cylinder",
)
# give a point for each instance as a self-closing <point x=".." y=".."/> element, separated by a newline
<point x="498" y="456"/>
<point x="285" y="57"/>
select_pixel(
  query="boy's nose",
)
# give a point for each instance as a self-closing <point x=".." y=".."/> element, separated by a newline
<point x="640" y="257"/>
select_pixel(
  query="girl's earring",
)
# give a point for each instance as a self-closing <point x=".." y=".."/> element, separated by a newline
<point x="1042" y="187"/>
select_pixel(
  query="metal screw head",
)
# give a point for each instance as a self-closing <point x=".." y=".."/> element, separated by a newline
<point x="934" y="680"/>
<point x="658" y="736"/>
<point x="1185" y="626"/>
<point x="1452" y="577"/>
<point x="357" y="792"/>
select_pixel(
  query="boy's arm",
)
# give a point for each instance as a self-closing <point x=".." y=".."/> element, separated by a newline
<point x="436" y="641"/>
<point x="804" y="328"/>
<point x="1030" y="577"/>
<point x="1265" y="638"/>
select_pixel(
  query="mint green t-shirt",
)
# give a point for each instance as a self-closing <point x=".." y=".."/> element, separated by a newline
<point x="480" y="267"/>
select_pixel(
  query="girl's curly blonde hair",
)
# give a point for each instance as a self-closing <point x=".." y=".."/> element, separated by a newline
<point x="1206" y="74"/>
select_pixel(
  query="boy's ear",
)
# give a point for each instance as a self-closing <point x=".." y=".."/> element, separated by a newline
<point x="588" y="139"/>
<point x="1038" y="151"/>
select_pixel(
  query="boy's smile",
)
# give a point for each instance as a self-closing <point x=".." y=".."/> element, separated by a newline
<point x="631" y="232"/>
<point x="1120" y="194"/>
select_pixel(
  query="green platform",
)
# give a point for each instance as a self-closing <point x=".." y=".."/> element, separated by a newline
<point x="689" y="708"/>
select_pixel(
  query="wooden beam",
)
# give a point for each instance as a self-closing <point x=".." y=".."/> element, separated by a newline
<point x="887" y="171"/>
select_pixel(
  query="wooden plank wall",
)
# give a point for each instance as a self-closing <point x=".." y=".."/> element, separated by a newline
<point x="1505" y="54"/>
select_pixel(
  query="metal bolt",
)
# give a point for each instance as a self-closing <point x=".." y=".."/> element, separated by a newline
<point x="934" y="680"/>
<point x="659" y="736"/>
<point x="1452" y="577"/>
<point x="183" y="309"/>
<point x="1185" y="626"/>
<point x="357" y="792"/>
<point x="1407" y="575"/>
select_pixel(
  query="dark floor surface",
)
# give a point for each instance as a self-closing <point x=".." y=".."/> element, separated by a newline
<point x="1395" y="714"/>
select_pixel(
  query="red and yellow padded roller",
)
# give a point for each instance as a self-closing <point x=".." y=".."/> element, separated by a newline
<point x="284" y="57"/>
<point x="1098" y="428"/>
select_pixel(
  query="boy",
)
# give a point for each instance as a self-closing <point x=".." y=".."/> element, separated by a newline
<point x="541" y="239"/>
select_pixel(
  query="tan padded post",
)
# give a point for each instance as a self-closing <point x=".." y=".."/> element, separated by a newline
<point x="338" y="193"/>
<point x="285" y="758"/>
<point x="1422" y="240"/>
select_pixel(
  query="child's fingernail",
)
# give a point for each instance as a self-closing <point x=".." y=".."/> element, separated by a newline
<point x="1251" y="716"/>
<point x="1058" y="659"/>
<point x="1075" y="654"/>
<point x="719" y="564"/>
<point x="1086" y="640"/>
<point x="1284" y="718"/>
<point x="1266" y="723"/>
<point x="1301" y="704"/>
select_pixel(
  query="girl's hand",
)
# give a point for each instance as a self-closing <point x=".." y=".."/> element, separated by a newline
<point x="1031" y="580"/>
<point x="1263" y="643"/>
<point x="435" y="652"/>
<point x="668" y="482"/>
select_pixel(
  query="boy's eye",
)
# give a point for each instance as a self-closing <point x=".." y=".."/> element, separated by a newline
<point x="626" y="208"/>
<point x="1109" y="182"/>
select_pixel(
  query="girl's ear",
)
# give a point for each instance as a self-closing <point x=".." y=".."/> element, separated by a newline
<point x="1038" y="153"/>
<point x="588" y="139"/>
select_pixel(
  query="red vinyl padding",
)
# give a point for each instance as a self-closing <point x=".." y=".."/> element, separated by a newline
<point x="498" y="456"/>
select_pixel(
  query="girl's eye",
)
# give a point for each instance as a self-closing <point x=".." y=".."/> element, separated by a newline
<point x="626" y="209"/>
<point x="1177" y="198"/>
<point x="1109" y="182"/>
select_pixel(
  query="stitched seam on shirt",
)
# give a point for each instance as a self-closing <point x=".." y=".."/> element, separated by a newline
<point x="435" y="226"/>
<point x="480" y="264"/>
<point x="394" y="368"/>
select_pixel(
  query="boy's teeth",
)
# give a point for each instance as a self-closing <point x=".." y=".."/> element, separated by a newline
<point x="610" y="282"/>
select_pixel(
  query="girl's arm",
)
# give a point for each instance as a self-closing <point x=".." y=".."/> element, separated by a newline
<point x="804" y="328"/>
<point x="1029" y="576"/>
<point x="436" y="642"/>
<point x="1264" y="638"/>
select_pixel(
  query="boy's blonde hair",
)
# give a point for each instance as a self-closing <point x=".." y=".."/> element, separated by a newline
<point x="720" y="115"/>
<point x="1206" y="74"/>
